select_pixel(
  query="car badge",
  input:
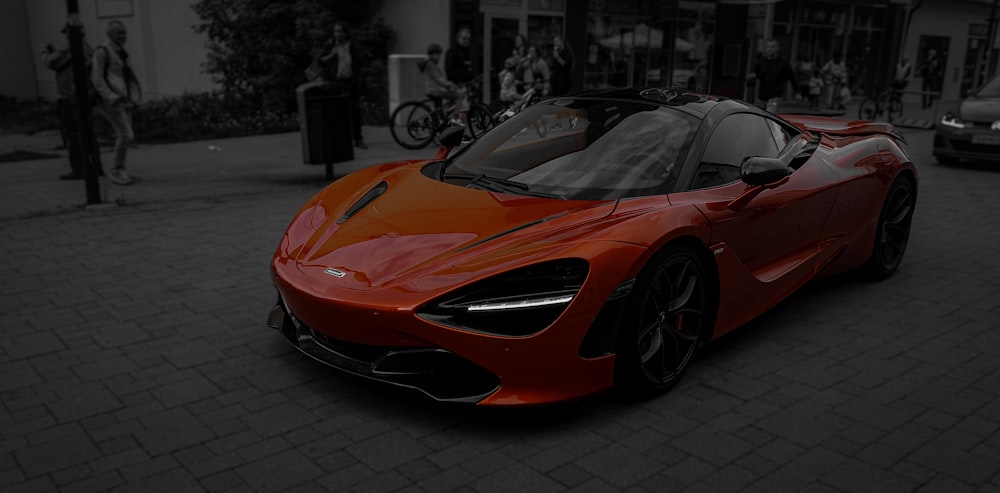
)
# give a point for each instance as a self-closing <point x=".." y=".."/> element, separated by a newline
<point x="995" y="126"/>
<point x="334" y="272"/>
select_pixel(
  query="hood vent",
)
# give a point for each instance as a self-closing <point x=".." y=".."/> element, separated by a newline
<point x="365" y="199"/>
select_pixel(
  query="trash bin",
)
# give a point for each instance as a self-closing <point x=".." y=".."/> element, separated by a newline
<point x="325" y="124"/>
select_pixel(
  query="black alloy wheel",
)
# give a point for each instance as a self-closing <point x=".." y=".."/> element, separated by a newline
<point x="667" y="315"/>
<point x="893" y="229"/>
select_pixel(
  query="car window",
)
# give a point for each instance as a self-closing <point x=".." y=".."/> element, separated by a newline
<point x="782" y="134"/>
<point x="584" y="149"/>
<point x="736" y="137"/>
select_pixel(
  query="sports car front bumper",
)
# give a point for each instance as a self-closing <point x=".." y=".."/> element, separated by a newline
<point x="439" y="373"/>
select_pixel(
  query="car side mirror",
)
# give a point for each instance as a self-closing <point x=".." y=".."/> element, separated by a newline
<point x="451" y="138"/>
<point x="760" y="171"/>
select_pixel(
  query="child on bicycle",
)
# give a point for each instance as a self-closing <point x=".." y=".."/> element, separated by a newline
<point x="438" y="85"/>
<point x="508" y="83"/>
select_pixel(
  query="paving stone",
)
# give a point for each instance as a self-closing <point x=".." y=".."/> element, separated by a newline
<point x="69" y="449"/>
<point x="387" y="451"/>
<point x="516" y="477"/>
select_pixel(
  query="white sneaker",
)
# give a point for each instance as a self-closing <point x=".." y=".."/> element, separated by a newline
<point x="119" y="177"/>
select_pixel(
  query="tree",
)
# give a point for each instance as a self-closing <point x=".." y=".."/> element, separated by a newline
<point x="258" y="49"/>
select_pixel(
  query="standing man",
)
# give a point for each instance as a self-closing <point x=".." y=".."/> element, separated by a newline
<point x="774" y="74"/>
<point x="930" y="74"/>
<point x="901" y="78"/>
<point x="119" y="92"/>
<point x="561" y="71"/>
<point x="458" y="59"/>
<point x="60" y="61"/>
<point x="342" y="65"/>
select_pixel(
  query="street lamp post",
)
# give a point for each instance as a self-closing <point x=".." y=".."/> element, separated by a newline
<point x="81" y="82"/>
<point x="991" y="39"/>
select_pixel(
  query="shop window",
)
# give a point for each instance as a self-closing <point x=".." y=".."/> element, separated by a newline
<point x="550" y="5"/>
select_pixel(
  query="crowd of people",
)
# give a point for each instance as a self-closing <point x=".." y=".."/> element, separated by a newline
<point x="530" y="71"/>
<point x="116" y="92"/>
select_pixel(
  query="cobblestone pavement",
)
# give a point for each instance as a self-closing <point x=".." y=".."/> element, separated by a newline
<point x="134" y="357"/>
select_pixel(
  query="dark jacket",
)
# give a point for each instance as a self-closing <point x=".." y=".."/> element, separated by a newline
<point x="458" y="64"/>
<point x="772" y="74"/>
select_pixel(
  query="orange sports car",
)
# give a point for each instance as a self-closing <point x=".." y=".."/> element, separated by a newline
<point x="587" y="243"/>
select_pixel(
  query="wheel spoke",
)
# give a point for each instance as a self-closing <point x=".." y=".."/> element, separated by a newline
<point x="654" y="334"/>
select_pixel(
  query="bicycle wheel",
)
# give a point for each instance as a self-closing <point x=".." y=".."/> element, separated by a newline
<point x="895" y="108"/>
<point x="412" y="125"/>
<point x="869" y="110"/>
<point x="480" y="120"/>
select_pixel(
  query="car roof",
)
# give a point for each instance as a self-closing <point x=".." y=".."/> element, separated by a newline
<point x="698" y="104"/>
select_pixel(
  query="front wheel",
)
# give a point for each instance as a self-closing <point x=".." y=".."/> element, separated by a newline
<point x="893" y="230"/>
<point x="412" y="125"/>
<point x="667" y="313"/>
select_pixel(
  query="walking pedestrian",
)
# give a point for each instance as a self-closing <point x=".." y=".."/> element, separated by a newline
<point x="930" y="74"/>
<point x="901" y="78"/>
<point x="458" y="59"/>
<point x="561" y="71"/>
<point x="119" y="92"/>
<point x="341" y="64"/>
<point x="835" y="79"/>
<point x="60" y="60"/>
<point x="774" y="75"/>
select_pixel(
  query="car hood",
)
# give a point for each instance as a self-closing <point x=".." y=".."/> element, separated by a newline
<point x="420" y="225"/>
<point x="983" y="110"/>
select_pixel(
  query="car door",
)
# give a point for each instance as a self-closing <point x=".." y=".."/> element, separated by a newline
<point x="780" y="227"/>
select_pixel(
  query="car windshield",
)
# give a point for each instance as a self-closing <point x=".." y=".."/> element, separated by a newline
<point x="583" y="149"/>
<point x="990" y="90"/>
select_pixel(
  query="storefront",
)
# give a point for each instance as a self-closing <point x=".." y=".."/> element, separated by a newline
<point x="674" y="42"/>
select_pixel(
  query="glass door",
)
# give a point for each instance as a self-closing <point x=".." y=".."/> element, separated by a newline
<point x="499" y="45"/>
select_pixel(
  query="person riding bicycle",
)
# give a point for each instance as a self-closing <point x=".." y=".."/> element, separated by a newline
<point x="439" y="87"/>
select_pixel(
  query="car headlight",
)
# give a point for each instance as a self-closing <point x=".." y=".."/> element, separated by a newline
<point x="517" y="303"/>
<point x="953" y="121"/>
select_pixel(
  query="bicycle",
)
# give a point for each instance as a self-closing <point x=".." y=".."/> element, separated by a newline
<point x="887" y="104"/>
<point x="415" y="124"/>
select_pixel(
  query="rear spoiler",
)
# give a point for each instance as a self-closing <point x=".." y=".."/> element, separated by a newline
<point x="842" y="128"/>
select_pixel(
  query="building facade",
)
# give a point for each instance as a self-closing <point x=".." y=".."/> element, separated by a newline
<point x="165" y="52"/>
<point x="705" y="44"/>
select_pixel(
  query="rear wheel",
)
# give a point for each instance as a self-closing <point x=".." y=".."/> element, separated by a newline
<point x="893" y="230"/>
<point x="667" y="313"/>
<point x="869" y="110"/>
<point x="894" y="106"/>
<point x="480" y="120"/>
<point x="412" y="125"/>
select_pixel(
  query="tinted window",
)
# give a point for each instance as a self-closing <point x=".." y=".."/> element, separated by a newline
<point x="737" y="136"/>
<point x="583" y="149"/>
<point x="990" y="90"/>
<point x="782" y="134"/>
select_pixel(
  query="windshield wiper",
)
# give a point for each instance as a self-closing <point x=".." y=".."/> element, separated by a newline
<point x="502" y="185"/>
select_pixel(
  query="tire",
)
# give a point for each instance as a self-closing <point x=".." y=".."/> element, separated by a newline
<point x="668" y="313"/>
<point x="412" y="125"/>
<point x="946" y="160"/>
<point x="868" y="110"/>
<point x="480" y="120"/>
<point x="895" y="108"/>
<point x="892" y="230"/>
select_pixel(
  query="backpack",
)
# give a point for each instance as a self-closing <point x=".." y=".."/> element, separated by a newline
<point x="92" y="94"/>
